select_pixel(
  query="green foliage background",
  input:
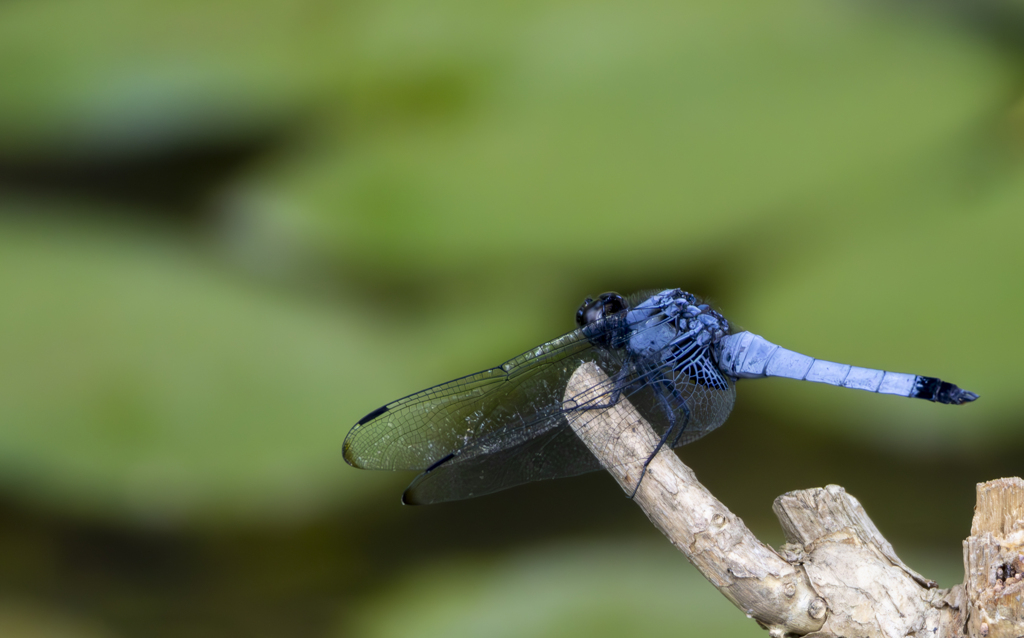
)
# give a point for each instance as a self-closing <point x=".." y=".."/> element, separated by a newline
<point x="230" y="229"/>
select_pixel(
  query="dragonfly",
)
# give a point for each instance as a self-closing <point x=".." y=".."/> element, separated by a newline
<point x="675" y="359"/>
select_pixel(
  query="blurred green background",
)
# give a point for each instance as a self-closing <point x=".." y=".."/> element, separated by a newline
<point x="230" y="229"/>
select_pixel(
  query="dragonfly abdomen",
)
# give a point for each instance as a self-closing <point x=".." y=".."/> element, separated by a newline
<point x="747" y="356"/>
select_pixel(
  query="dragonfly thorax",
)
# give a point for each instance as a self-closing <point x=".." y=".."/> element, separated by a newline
<point x="670" y="321"/>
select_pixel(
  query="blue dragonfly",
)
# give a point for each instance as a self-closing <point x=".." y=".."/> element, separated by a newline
<point x="674" y="358"/>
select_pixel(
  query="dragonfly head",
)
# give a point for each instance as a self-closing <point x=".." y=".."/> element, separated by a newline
<point x="592" y="311"/>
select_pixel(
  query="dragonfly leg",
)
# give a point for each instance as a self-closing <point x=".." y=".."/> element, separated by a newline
<point x="664" y="400"/>
<point x="686" y="421"/>
<point x="613" y="396"/>
<point x="657" y="448"/>
<point x="674" y="425"/>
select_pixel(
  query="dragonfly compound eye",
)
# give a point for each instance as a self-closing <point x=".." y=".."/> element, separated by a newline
<point x="607" y="304"/>
<point x="581" y="314"/>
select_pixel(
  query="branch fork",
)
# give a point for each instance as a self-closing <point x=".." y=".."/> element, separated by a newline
<point x="836" y="575"/>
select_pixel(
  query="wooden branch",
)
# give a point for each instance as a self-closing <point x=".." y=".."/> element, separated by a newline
<point x="870" y="591"/>
<point x="836" y="575"/>
<point x="994" y="560"/>
<point x="749" y="573"/>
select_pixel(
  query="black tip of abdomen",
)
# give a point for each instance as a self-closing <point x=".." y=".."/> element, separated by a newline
<point x="941" y="391"/>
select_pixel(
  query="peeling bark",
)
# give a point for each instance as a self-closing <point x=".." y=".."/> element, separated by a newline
<point x="994" y="560"/>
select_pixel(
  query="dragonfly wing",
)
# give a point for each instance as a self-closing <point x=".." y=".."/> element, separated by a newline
<point x="548" y="448"/>
<point x="519" y="399"/>
<point x="709" y="394"/>
<point x="508" y="425"/>
<point x="555" y="453"/>
<point x="709" y="408"/>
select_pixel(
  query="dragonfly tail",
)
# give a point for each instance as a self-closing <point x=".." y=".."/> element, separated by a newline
<point x="748" y="356"/>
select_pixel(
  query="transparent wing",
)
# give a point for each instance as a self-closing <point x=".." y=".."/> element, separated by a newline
<point x="694" y="380"/>
<point x="679" y="409"/>
<point x="545" y="449"/>
<point x="520" y="398"/>
<point x="508" y="425"/>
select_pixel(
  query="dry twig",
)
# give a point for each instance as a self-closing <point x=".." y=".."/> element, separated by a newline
<point x="836" y="575"/>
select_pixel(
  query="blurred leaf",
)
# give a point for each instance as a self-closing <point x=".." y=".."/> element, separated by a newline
<point x="21" y="620"/>
<point x="111" y="76"/>
<point x="565" y="590"/>
<point x="611" y="135"/>
<point x="580" y="589"/>
<point x="139" y="380"/>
